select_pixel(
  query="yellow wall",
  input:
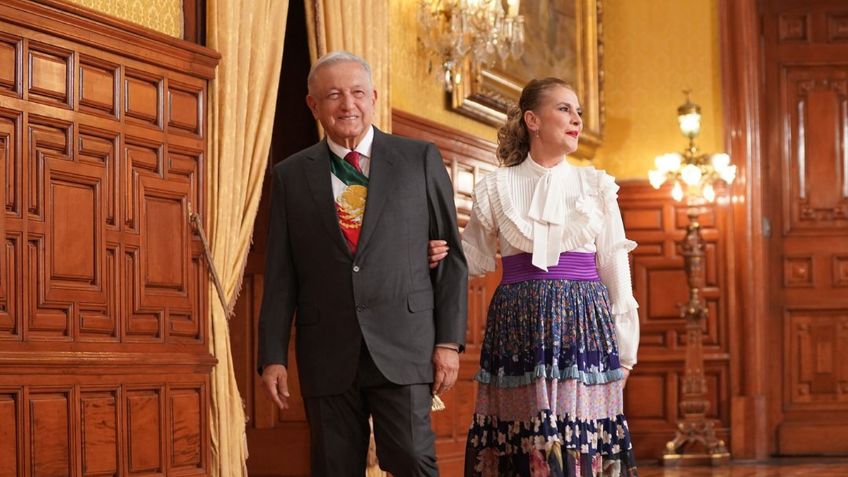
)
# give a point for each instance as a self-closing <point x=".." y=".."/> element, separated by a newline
<point x="653" y="49"/>
<point x="165" y="16"/>
<point x="414" y="90"/>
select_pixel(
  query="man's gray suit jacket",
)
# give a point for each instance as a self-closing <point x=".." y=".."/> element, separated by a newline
<point x="386" y="293"/>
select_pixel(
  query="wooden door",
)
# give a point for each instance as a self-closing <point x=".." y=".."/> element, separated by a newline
<point x="104" y="360"/>
<point x="806" y="158"/>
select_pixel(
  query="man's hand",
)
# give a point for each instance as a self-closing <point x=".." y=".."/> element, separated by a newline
<point x="275" y="378"/>
<point x="436" y="252"/>
<point x="445" y="369"/>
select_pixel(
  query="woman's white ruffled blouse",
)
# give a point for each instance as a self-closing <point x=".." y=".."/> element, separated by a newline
<point x="529" y="208"/>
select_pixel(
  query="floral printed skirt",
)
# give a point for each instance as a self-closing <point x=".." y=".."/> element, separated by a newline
<point x="550" y="390"/>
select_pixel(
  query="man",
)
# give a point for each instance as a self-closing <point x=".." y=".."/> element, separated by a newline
<point x="348" y="252"/>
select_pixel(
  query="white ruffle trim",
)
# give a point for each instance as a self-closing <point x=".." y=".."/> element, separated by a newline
<point x="581" y="226"/>
<point x="606" y="258"/>
<point x="479" y="263"/>
<point x="624" y="306"/>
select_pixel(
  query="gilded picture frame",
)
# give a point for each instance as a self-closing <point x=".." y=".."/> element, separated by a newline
<point x="563" y="39"/>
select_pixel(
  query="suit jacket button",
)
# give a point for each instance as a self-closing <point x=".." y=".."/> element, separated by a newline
<point x="356" y="268"/>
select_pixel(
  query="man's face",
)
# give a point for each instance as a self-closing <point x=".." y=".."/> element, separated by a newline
<point x="342" y="99"/>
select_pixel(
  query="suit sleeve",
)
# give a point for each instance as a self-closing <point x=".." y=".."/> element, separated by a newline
<point x="450" y="278"/>
<point x="280" y="294"/>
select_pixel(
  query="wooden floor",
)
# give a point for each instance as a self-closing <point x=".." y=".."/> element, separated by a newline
<point x="808" y="467"/>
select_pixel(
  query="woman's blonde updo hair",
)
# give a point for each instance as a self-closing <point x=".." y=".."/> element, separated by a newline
<point x="514" y="137"/>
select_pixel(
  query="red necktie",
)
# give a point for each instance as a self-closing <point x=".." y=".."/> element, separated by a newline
<point x="352" y="158"/>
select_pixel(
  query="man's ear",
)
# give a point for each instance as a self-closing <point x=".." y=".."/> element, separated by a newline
<point x="313" y="105"/>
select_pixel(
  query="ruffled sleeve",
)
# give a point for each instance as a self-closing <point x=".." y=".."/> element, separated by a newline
<point x="614" y="269"/>
<point x="480" y="237"/>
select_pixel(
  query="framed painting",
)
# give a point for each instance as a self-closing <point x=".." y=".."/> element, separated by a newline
<point x="563" y="39"/>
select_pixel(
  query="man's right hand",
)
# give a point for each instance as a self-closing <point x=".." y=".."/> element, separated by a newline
<point x="275" y="378"/>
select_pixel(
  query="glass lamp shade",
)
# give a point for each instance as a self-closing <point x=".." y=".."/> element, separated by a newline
<point x="690" y="124"/>
<point x="657" y="178"/>
<point x="691" y="174"/>
<point x="677" y="192"/>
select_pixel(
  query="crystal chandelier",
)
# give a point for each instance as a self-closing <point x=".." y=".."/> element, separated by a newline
<point x="694" y="174"/>
<point x="484" y="30"/>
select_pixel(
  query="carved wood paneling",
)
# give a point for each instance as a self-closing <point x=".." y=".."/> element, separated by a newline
<point x="99" y="431"/>
<point x="658" y="223"/>
<point x="818" y="341"/>
<point x="11" y="436"/>
<point x="145" y="421"/>
<point x="50" y="432"/>
<point x="10" y="63"/>
<point x="185" y="443"/>
<point x="817" y="109"/>
<point x="104" y="368"/>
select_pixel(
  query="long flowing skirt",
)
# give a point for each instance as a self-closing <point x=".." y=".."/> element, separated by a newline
<point x="550" y="386"/>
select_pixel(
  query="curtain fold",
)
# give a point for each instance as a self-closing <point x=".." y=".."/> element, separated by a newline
<point x="360" y="27"/>
<point x="249" y="36"/>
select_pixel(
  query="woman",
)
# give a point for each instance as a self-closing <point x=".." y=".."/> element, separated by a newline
<point x="562" y="328"/>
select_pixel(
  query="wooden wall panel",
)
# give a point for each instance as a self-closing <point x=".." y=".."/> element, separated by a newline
<point x="185" y="443"/>
<point x="49" y="77"/>
<point x="11" y="436"/>
<point x="104" y="367"/>
<point x="145" y="452"/>
<point x="10" y="55"/>
<point x="98" y="86"/>
<point x="657" y="223"/>
<point x="50" y="427"/>
<point x="99" y="417"/>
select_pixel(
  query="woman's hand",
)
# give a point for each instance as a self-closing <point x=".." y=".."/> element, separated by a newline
<point x="436" y="252"/>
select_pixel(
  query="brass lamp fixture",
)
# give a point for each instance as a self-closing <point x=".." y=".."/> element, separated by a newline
<point x="695" y="176"/>
<point x="482" y="30"/>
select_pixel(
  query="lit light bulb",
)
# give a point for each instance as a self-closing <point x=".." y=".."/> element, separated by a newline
<point x="677" y="192"/>
<point x="691" y="174"/>
<point x="656" y="177"/>
<point x="709" y="192"/>
<point x="690" y="124"/>
<point x="728" y="174"/>
<point x="668" y="162"/>
<point x="720" y="161"/>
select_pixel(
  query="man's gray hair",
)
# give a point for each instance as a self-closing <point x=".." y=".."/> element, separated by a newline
<point x="334" y="57"/>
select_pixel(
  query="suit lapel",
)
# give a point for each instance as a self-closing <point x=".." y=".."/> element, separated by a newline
<point x="320" y="185"/>
<point x="380" y="184"/>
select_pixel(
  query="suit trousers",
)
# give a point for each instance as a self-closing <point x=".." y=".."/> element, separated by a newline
<point x="339" y="430"/>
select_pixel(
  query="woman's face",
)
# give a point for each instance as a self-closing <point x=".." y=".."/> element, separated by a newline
<point x="557" y="120"/>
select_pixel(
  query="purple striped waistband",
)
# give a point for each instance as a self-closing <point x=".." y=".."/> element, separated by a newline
<point x="571" y="266"/>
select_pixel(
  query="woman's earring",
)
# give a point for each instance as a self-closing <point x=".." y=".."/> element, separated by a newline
<point x="537" y="134"/>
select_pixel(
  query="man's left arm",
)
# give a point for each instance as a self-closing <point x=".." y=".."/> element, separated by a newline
<point x="450" y="277"/>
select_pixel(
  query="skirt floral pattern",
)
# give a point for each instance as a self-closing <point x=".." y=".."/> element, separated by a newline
<point x="550" y="392"/>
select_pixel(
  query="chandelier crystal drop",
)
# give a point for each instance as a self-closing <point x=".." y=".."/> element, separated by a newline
<point x="483" y="31"/>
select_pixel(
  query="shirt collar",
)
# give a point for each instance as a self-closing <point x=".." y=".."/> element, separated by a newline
<point x="535" y="169"/>
<point x="363" y="148"/>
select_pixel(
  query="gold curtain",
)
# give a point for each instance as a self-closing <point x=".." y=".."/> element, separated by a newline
<point x="249" y="35"/>
<point x="362" y="28"/>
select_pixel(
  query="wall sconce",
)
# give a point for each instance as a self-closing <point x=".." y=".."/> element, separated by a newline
<point x="484" y="30"/>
